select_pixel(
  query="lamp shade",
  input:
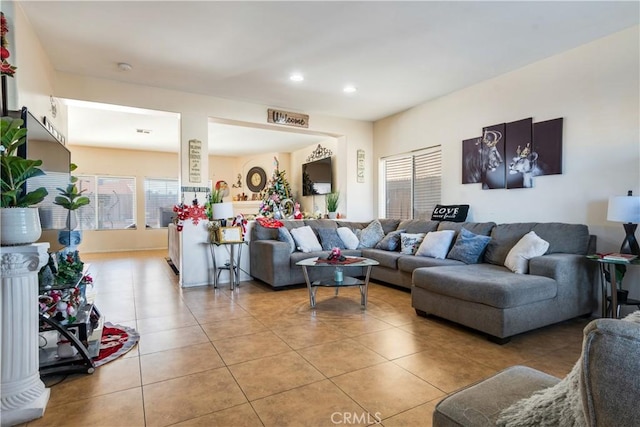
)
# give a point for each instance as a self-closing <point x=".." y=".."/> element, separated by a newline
<point x="624" y="209"/>
<point x="222" y="210"/>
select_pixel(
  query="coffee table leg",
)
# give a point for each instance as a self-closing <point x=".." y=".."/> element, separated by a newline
<point x="364" y="289"/>
<point x="312" y="294"/>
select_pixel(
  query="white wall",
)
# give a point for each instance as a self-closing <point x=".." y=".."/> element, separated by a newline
<point x="34" y="78"/>
<point x="595" y="88"/>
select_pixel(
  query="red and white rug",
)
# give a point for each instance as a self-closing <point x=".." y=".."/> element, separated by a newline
<point x="116" y="341"/>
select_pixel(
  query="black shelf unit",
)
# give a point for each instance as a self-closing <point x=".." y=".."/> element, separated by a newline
<point x="83" y="334"/>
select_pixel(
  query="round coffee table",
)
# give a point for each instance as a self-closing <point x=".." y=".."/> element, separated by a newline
<point x="347" y="281"/>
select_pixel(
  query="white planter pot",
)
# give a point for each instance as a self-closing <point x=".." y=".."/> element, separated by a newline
<point x="19" y="226"/>
<point x="333" y="215"/>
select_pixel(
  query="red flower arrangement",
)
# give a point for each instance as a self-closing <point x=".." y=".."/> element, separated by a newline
<point x="6" y="69"/>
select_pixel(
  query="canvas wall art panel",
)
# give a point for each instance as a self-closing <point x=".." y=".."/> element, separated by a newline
<point x="472" y="160"/>
<point x="547" y="140"/>
<point x="519" y="154"/>
<point x="493" y="166"/>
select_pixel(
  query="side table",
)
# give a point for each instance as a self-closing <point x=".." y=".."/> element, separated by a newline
<point x="234" y="262"/>
<point x="609" y="266"/>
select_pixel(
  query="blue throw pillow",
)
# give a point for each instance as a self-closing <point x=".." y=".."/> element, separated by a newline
<point x="468" y="247"/>
<point x="391" y="241"/>
<point x="330" y="239"/>
<point x="285" y="236"/>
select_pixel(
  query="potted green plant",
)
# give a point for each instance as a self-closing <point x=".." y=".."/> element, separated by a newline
<point x="20" y="220"/>
<point x="332" y="200"/>
<point x="71" y="199"/>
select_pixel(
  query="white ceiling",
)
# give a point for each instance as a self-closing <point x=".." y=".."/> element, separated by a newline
<point x="397" y="54"/>
<point x="102" y="125"/>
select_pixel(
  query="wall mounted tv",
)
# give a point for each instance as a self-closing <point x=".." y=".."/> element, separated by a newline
<point x="317" y="177"/>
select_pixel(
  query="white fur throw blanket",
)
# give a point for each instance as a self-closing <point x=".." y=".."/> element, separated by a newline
<point x="557" y="406"/>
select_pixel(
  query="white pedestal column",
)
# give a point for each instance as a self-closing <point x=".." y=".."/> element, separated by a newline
<point x="24" y="396"/>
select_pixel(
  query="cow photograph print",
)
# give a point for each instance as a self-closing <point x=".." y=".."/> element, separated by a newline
<point x="510" y="155"/>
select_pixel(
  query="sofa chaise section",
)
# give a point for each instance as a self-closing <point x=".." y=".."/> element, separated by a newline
<point x="490" y="298"/>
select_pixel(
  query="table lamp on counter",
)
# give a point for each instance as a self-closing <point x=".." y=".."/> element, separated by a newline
<point x="626" y="209"/>
<point x="221" y="212"/>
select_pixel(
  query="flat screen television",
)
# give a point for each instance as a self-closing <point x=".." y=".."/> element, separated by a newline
<point x="317" y="177"/>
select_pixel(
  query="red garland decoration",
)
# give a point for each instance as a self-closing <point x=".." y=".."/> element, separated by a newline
<point x="269" y="222"/>
<point x="194" y="212"/>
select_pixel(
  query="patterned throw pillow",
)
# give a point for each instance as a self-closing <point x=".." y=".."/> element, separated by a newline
<point x="348" y="237"/>
<point x="370" y="235"/>
<point x="391" y="241"/>
<point x="306" y="239"/>
<point x="285" y="236"/>
<point x="469" y="247"/>
<point x="330" y="239"/>
<point x="409" y="242"/>
<point x="436" y="244"/>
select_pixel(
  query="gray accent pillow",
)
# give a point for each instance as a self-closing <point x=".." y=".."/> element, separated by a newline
<point x="370" y="235"/>
<point x="391" y="241"/>
<point x="284" y="235"/>
<point x="330" y="239"/>
<point x="469" y="247"/>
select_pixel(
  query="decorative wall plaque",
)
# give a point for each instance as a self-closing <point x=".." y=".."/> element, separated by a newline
<point x="360" y="165"/>
<point x="287" y="118"/>
<point x="195" y="160"/>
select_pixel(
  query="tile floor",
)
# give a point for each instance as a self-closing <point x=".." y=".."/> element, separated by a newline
<point x="258" y="357"/>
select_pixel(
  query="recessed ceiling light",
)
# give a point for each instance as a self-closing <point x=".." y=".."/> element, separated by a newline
<point x="349" y="89"/>
<point x="296" y="77"/>
<point x="123" y="66"/>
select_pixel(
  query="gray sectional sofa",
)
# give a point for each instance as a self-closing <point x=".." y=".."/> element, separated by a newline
<point x="485" y="296"/>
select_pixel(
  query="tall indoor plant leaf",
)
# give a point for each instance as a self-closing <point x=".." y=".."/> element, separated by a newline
<point x="16" y="170"/>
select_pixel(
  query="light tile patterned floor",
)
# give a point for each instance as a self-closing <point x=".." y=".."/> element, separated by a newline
<point x="258" y="357"/>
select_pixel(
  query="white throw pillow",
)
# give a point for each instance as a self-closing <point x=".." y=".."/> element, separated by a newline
<point x="436" y="244"/>
<point x="531" y="245"/>
<point x="306" y="239"/>
<point x="348" y="237"/>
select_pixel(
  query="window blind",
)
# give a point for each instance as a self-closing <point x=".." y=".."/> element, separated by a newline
<point x="411" y="184"/>
<point x="397" y="186"/>
<point x="160" y="195"/>
<point x="427" y="182"/>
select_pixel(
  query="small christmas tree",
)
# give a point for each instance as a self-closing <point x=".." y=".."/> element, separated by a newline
<point x="276" y="198"/>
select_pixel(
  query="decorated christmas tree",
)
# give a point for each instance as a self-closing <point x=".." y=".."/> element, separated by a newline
<point x="276" y="198"/>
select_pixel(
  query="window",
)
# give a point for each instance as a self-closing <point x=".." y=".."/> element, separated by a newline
<point x="113" y="202"/>
<point x="411" y="184"/>
<point x="160" y="195"/>
<point x="52" y="216"/>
